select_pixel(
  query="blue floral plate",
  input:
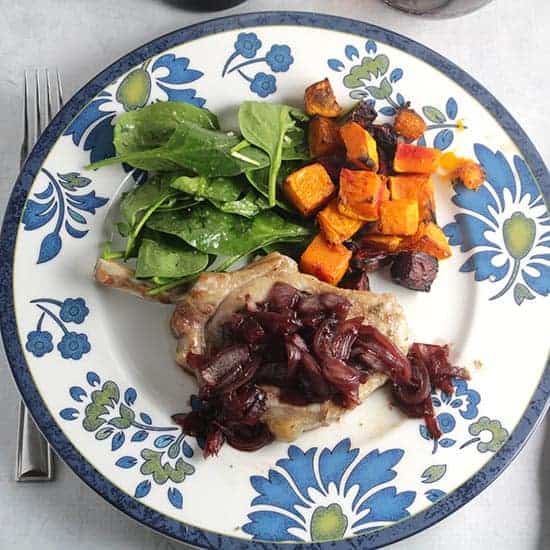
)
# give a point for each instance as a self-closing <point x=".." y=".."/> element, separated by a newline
<point x="96" y="368"/>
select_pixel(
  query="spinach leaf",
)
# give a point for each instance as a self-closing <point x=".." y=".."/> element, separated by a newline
<point x="214" y="232"/>
<point x="220" y="189"/>
<point x="295" y="145"/>
<point x="248" y="206"/>
<point x="168" y="257"/>
<point x="143" y="196"/>
<point x="265" y="125"/>
<point x="205" y="152"/>
<point x="153" y="126"/>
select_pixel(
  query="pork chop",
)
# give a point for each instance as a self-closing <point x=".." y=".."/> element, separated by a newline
<point x="200" y="314"/>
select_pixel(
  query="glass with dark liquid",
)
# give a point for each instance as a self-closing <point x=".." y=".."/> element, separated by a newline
<point x="437" y="8"/>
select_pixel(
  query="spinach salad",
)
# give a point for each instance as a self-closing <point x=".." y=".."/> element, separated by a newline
<point x="210" y="197"/>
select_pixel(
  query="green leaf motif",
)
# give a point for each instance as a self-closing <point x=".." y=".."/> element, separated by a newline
<point x="328" y="523"/>
<point x="521" y="293"/>
<point x="134" y="90"/>
<point x="161" y="473"/>
<point x="126" y="412"/>
<point x="498" y="433"/>
<point x="381" y="92"/>
<point x="370" y="67"/>
<point x="120" y="423"/>
<point x="73" y="180"/>
<point x="434" y="115"/>
<point x="101" y="400"/>
<point x="519" y="233"/>
<point x="104" y="433"/>
<point x="433" y="473"/>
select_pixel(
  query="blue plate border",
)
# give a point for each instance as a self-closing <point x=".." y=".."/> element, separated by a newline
<point x="534" y="412"/>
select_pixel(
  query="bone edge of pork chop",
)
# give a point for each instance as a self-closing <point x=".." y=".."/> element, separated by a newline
<point x="115" y="275"/>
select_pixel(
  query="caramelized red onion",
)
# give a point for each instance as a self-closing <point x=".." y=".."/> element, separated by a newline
<point x="304" y="345"/>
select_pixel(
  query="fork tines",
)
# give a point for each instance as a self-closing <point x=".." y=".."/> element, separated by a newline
<point x="36" y="113"/>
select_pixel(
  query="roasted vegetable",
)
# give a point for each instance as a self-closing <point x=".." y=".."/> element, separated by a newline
<point x="319" y="99"/>
<point x="433" y="241"/>
<point x="415" y="159"/>
<point x="358" y="280"/>
<point x="335" y="226"/>
<point x="325" y="261"/>
<point x="363" y="113"/>
<point x="389" y="243"/>
<point x="417" y="187"/>
<point x="414" y="270"/>
<point x="386" y="141"/>
<point x="360" y="146"/>
<point x="324" y="137"/>
<point x="399" y="217"/>
<point x="309" y="188"/>
<point x="469" y="173"/>
<point x="409" y="124"/>
<point x="361" y="193"/>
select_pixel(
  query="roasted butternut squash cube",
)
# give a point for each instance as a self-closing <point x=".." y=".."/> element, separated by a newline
<point x="433" y="241"/>
<point x="361" y="149"/>
<point x="417" y="187"/>
<point x="324" y="137"/>
<point x="409" y="124"/>
<point x="336" y="227"/>
<point x="319" y="99"/>
<point x="361" y="193"/>
<point x="469" y="173"/>
<point x="391" y="243"/>
<point x="399" y="217"/>
<point x="309" y="188"/>
<point x="415" y="159"/>
<point x="328" y="262"/>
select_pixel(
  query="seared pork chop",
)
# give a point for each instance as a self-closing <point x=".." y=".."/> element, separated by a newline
<point x="200" y="314"/>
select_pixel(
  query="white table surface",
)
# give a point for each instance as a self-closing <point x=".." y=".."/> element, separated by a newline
<point x="506" y="46"/>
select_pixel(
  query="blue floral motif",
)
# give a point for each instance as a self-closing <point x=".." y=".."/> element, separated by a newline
<point x="327" y="494"/>
<point x="247" y="44"/>
<point x="92" y="128"/>
<point x="506" y="226"/>
<point x="452" y="414"/>
<point x="369" y="80"/>
<point x="110" y="415"/>
<point x="63" y="201"/>
<point x="278" y="59"/>
<point x="39" y="342"/>
<point x="74" y="310"/>
<point x="263" y="84"/>
<point x="72" y="345"/>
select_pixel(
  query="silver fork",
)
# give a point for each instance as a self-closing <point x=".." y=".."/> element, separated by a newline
<point x="34" y="456"/>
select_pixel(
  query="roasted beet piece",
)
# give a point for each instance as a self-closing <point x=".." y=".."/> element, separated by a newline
<point x="363" y="114"/>
<point x="386" y="142"/>
<point x="357" y="280"/>
<point x="414" y="270"/>
<point x="369" y="259"/>
<point x="332" y="164"/>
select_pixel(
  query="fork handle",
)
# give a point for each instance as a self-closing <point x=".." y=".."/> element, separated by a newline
<point x="34" y="456"/>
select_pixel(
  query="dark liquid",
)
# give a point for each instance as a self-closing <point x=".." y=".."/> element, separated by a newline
<point x="208" y="5"/>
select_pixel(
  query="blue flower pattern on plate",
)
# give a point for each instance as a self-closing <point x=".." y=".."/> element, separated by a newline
<point x="161" y="452"/>
<point x="72" y="345"/>
<point x="327" y="494"/>
<point x="278" y="58"/>
<point x="63" y="202"/>
<point x="506" y="226"/>
<point x="454" y="412"/>
<point x="92" y="128"/>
